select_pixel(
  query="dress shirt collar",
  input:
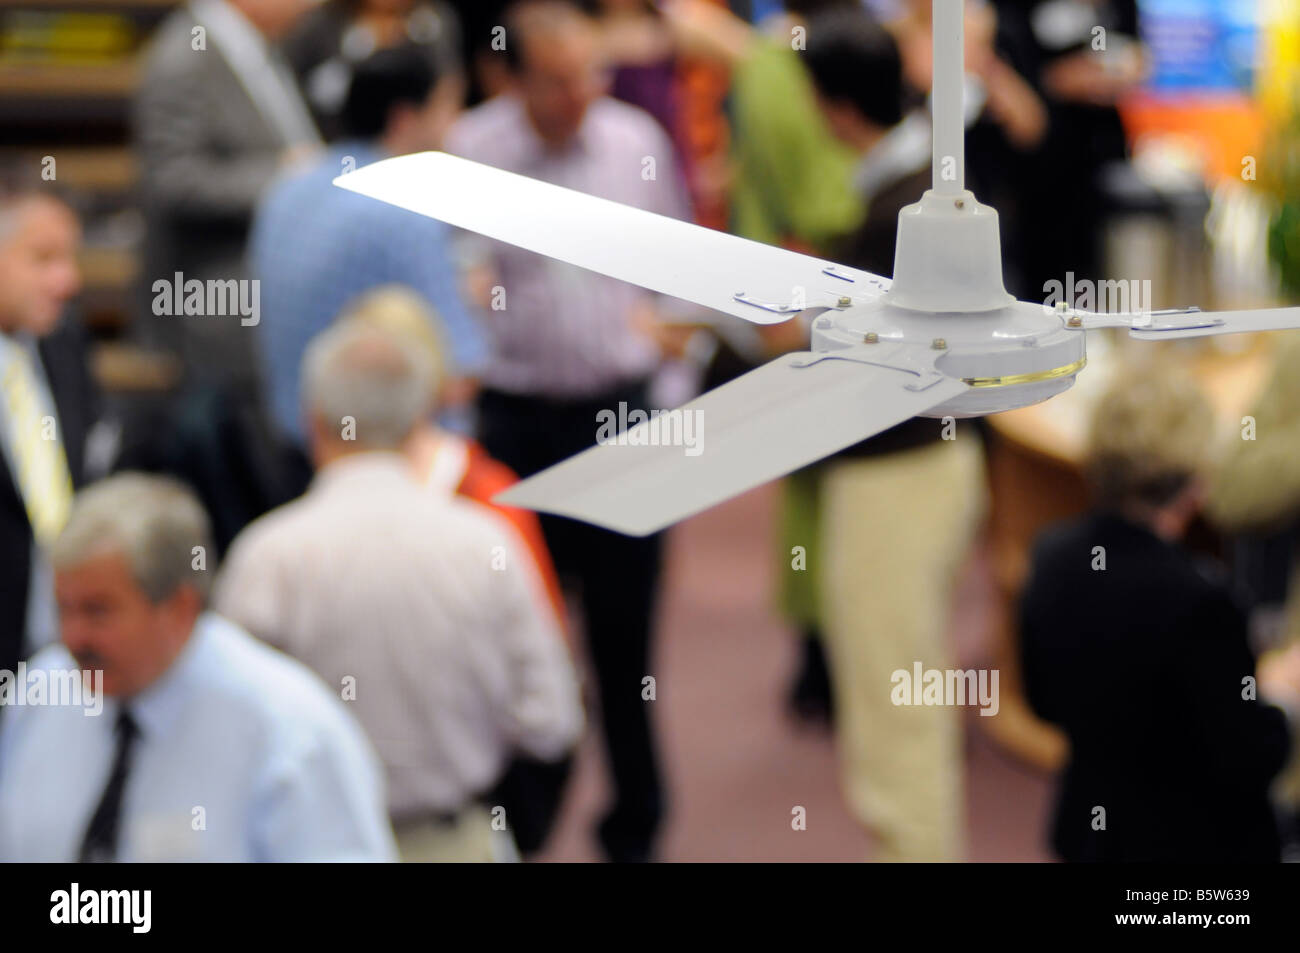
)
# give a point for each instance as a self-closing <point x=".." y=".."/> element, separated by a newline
<point x="536" y="149"/>
<point x="1114" y="522"/>
<point x="259" y="67"/>
<point x="15" y="338"/>
<point x="449" y="463"/>
<point x="366" y="468"/>
<point x="230" y="23"/>
<point x="364" y="151"/>
<point x="903" y="151"/>
<point x="158" y="706"/>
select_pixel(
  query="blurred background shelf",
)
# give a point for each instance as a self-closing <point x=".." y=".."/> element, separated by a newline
<point x="46" y="80"/>
<point x="115" y="6"/>
<point x="104" y="169"/>
<point x="68" y="72"/>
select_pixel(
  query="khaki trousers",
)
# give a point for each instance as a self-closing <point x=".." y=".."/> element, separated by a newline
<point x="895" y="531"/>
<point x="470" y="839"/>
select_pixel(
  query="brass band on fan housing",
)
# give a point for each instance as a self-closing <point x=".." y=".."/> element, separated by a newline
<point x="1014" y="379"/>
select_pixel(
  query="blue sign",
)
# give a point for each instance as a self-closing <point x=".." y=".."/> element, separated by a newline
<point x="1201" y="45"/>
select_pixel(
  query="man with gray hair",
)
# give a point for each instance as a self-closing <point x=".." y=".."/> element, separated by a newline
<point x="211" y="747"/>
<point x="47" y="400"/>
<point x="425" y="610"/>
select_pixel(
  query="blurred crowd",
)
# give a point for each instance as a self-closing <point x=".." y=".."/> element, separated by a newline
<point x="318" y="637"/>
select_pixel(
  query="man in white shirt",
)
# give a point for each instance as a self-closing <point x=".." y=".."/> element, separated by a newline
<point x="197" y="742"/>
<point x="424" y="611"/>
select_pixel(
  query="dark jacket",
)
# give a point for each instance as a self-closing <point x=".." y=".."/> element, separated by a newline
<point x="1143" y="664"/>
<point x="871" y="248"/>
<point x="206" y="154"/>
<point x="62" y="356"/>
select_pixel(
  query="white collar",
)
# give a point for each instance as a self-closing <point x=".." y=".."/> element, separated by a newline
<point x="449" y="464"/>
<point x="233" y="31"/>
<point x="251" y="58"/>
<point x="904" y="150"/>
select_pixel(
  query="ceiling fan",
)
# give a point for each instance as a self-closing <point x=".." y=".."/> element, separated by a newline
<point x="943" y="338"/>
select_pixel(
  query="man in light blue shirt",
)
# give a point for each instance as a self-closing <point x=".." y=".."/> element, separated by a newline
<point x="209" y="745"/>
<point x="316" y="247"/>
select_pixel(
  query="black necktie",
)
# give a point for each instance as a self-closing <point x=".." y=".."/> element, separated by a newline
<point x="100" y="843"/>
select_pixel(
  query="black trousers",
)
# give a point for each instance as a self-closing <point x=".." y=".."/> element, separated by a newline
<point x="615" y="578"/>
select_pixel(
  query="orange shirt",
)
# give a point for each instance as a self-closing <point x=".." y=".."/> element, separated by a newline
<point x="464" y="467"/>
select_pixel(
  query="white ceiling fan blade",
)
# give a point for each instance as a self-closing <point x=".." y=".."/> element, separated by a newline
<point x="784" y="415"/>
<point x="750" y="280"/>
<point x="1166" y="326"/>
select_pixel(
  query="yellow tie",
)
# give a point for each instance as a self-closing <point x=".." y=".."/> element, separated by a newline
<point x="37" y="453"/>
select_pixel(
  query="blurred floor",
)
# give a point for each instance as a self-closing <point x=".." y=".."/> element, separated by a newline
<point x="736" y="765"/>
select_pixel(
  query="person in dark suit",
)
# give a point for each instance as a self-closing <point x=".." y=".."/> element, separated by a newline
<point x="1083" y="57"/>
<point x="46" y="406"/>
<point x="1141" y="656"/>
<point x="218" y="115"/>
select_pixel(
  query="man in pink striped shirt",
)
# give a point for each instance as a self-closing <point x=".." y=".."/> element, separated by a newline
<point x="569" y="344"/>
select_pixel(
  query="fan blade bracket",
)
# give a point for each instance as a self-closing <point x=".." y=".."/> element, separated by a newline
<point x="1091" y="320"/>
<point x="1158" y="322"/>
<point x="1210" y="323"/>
<point x="1161" y="320"/>
<point x="903" y="358"/>
<point x="819" y="300"/>
<point x="1144" y="322"/>
<point x="771" y="306"/>
<point x="874" y="282"/>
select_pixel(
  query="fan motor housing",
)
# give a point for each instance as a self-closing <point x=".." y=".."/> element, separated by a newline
<point x="1014" y="356"/>
<point x="949" y="256"/>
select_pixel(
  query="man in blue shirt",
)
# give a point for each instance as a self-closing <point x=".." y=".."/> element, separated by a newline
<point x="197" y="742"/>
<point x="316" y="247"/>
